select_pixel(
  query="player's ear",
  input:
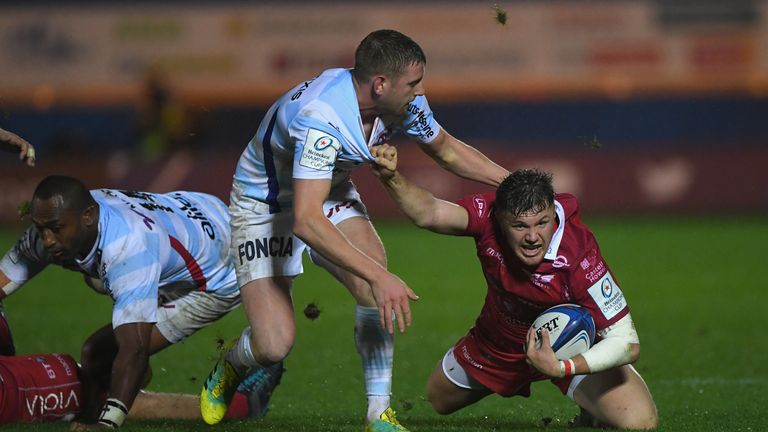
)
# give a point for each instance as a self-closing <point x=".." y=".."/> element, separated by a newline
<point x="380" y="84"/>
<point x="89" y="216"/>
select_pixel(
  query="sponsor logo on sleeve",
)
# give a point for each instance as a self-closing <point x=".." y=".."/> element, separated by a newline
<point x="608" y="296"/>
<point x="421" y="121"/>
<point x="320" y="151"/>
<point x="596" y="272"/>
<point x="479" y="204"/>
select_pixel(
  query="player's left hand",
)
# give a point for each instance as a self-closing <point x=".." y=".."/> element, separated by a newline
<point x="385" y="161"/>
<point x="12" y="142"/>
<point x="77" y="426"/>
<point x="542" y="357"/>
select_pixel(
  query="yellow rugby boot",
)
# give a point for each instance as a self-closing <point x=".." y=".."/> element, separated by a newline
<point x="219" y="388"/>
<point x="387" y="422"/>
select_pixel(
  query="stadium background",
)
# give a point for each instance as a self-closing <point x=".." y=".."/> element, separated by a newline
<point x="653" y="113"/>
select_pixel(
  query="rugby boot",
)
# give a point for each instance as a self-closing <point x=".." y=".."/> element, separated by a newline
<point x="219" y="388"/>
<point x="387" y="422"/>
<point x="257" y="387"/>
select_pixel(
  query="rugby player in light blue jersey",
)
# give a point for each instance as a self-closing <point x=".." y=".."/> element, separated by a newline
<point x="164" y="260"/>
<point x="292" y="191"/>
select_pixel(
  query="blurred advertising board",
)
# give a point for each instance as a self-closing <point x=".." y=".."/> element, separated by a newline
<point x="652" y="182"/>
<point x="93" y="53"/>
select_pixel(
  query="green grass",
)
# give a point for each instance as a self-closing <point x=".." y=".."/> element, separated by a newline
<point x="695" y="286"/>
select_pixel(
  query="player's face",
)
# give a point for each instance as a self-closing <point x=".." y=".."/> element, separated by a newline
<point x="528" y="235"/>
<point x="403" y="90"/>
<point x="66" y="234"/>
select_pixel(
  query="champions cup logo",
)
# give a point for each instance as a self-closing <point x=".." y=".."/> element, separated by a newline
<point x="323" y="143"/>
<point x="607" y="288"/>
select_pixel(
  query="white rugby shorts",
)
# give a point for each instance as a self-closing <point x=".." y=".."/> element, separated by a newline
<point x="263" y="244"/>
<point x="457" y="375"/>
<point x="182" y="316"/>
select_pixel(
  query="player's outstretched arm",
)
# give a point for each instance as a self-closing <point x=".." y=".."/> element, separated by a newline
<point x="11" y="142"/>
<point x="463" y="160"/>
<point x="311" y="225"/>
<point x="423" y="208"/>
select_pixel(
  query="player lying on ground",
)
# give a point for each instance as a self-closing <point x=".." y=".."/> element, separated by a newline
<point x="162" y="258"/>
<point x="46" y="387"/>
<point x="535" y="253"/>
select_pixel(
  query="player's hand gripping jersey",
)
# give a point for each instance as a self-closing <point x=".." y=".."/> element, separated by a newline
<point x="315" y="132"/>
<point x="147" y="245"/>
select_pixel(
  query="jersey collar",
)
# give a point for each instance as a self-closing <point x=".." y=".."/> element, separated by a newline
<point x="554" y="245"/>
<point x="88" y="260"/>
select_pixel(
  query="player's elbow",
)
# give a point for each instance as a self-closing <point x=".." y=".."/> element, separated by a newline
<point x="634" y="352"/>
<point x="422" y="220"/>
<point x="426" y="216"/>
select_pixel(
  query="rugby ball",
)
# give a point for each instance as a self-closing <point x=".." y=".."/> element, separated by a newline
<point x="571" y="329"/>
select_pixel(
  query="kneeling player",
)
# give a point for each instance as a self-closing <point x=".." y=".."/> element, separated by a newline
<point x="535" y="253"/>
<point x="47" y="387"/>
<point x="163" y="258"/>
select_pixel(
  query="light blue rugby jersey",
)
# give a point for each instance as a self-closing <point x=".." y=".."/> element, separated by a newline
<point x="147" y="243"/>
<point x="314" y="131"/>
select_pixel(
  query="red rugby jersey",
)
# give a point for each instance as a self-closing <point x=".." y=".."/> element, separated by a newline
<point x="573" y="271"/>
<point x="39" y="387"/>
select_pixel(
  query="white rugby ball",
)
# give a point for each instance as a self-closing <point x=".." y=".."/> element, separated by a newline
<point x="571" y="329"/>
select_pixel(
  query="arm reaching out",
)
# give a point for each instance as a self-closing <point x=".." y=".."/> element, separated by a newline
<point x="313" y="227"/>
<point x="418" y="204"/>
<point x="11" y="142"/>
<point x="463" y="159"/>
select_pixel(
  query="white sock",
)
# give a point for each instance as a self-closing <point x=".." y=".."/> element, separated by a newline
<point x="376" y="405"/>
<point x="241" y="355"/>
<point x="376" y="348"/>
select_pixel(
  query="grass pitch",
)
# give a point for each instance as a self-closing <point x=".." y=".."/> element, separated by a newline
<point x="695" y="286"/>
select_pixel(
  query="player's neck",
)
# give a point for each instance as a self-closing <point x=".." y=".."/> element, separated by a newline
<point x="92" y="236"/>
<point x="365" y="102"/>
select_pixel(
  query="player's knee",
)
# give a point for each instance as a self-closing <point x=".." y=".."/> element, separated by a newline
<point x="267" y="352"/>
<point x="88" y="354"/>
<point x="437" y="399"/>
<point x="268" y="357"/>
<point x="648" y="421"/>
<point x="440" y="406"/>
<point x="639" y="420"/>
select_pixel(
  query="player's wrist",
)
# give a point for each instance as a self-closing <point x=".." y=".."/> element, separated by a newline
<point x="113" y="413"/>
<point x="392" y="178"/>
<point x="567" y="368"/>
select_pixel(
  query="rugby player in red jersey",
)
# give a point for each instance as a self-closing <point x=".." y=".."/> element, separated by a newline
<point x="535" y="253"/>
<point x="47" y="387"/>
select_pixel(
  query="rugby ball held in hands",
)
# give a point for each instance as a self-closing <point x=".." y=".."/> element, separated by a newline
<point x="571" y="329"/>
